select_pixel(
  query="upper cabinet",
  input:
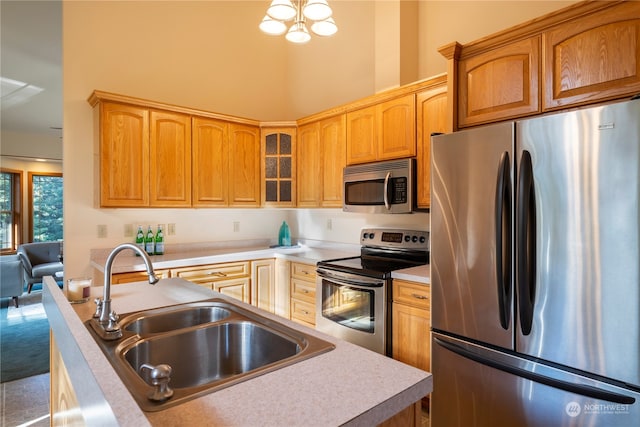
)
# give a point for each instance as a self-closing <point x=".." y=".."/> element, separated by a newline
<point x="170" y="159"/>
<point x="158" y="155"/>
<point x="279" y="166"/>
<point x="124" y="155"/>
<point x="321" y="158"/>
<point x="386" y="130"/>
<point x="583" y="54"/>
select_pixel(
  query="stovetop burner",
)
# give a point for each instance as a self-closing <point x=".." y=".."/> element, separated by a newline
<point x="383" y="251"/>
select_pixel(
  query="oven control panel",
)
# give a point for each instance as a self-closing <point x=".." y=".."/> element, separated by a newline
<point x="395" y="238"/>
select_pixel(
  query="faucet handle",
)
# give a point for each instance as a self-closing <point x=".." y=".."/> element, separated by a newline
<point x="113" y="326"/>
<point x="98" y="312"/>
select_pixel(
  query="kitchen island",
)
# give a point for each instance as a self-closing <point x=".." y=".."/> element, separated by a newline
<point x="348" y="385"/>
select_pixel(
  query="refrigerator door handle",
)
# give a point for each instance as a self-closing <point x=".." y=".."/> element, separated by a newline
<point x="581" y="389"/>
<point x="526" y="238"/>
<point x="503" y="239"/>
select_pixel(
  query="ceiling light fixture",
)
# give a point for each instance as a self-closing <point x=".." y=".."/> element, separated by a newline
<point x="281" y="11"/>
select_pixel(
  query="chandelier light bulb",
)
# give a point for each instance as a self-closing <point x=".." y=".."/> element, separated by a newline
<point x="272" y="26"/>
<point x="282" y="10"/>
<point x="298" y="33"/>
<point x="317" y="10"/>
<point x="325" y="28"/>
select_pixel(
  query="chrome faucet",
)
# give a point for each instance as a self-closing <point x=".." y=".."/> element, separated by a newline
<point x="105" y="320"/>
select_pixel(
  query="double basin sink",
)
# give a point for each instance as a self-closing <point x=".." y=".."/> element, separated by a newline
<point x="208" y="345"/>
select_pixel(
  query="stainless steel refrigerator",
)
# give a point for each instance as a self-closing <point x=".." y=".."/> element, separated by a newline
<point x="535" y="271"/>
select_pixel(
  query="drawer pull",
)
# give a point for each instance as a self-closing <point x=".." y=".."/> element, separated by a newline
<point x="217" y="273"/>
<point x="305" y="291"/>
<point x="305" y="312"/>
<point x="418" y="296"/>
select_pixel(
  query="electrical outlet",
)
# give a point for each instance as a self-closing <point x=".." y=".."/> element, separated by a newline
<point x="128" y="230"/>
<point x="236" y="226"/>
<point x="171" y="229"/>
<point x="102" y="231"/>
<point x="329" y="224"/>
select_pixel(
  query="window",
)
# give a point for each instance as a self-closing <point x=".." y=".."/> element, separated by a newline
<point x="10" y="203"/>
<point x="45" y="207"/>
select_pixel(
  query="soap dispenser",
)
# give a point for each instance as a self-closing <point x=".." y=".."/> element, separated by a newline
<point x="284" y="236"/>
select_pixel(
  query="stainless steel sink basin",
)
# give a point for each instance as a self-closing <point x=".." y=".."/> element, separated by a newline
<point x="208" y="345"/>
<point x="170" y="319"/>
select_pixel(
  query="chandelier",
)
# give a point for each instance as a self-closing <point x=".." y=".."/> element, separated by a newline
<point x="281" y="11"/>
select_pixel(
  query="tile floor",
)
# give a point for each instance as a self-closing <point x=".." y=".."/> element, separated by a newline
<point x="25" y="402"/>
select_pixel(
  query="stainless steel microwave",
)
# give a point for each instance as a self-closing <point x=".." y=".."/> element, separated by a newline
<point x="380" y="187"/>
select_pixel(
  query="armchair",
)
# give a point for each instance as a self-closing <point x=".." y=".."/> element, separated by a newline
<point x="40" y="259"/>
<point x="11" y="272"/>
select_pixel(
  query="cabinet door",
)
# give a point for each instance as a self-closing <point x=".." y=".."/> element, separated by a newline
<point x="263" y="284"/>
<point x="361" y="136"/>
<point x="396" y="127"/>
<point x="594" y="58"/>
<point x="210" y="162"/>
<point x="279" y="167"/>
<point x="411" y="324"/>
<point x="309" y="167"/>
<point x="499" y="84"/>
<point x="235" y="288"/>
<point x="333" y="140"/>
<point x="170" y="159"/>
<point x="431" y="117"/>
<point x="124" y="155"/>
<point x="244" y="166"/>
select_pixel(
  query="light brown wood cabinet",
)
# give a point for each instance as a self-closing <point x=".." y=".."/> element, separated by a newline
<point x="263" y="284"/>
<point x="210" y="148"/>
<point x="137" y="276"/>
<point x="383" y="131"/>
<point x="232" y="279"/>
<point x="244" y="165"/>
<point x="124" y="155"/>
<point x="321" y="158"/>
<point x="580" y="55"/>
<point x="500" y="84"/>
<point x="431" y="108"/>
<point x="303" y="293"/>
<point x="279" y="166"/>
<point x="593" y="58"/>
<point x="411" y="323"/>
<point x="170" y="159"/>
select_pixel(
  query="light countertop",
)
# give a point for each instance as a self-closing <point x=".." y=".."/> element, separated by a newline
<point x="346" y="386"/>
<point x="186" y="255"/>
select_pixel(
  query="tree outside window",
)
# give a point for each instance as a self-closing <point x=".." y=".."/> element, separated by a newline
<point x="45" y="207"/>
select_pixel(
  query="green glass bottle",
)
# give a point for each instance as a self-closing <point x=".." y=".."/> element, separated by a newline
<point x="140" y="239"/>
<point x="159" y="241"/>
<point x="148" y="241"/>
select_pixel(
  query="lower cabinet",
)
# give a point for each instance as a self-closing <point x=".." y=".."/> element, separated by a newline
<point x="137" y="276"/>
<point x="232" y="279"/>
<point x="411" y="323"/>
<point x="303" y="293"/>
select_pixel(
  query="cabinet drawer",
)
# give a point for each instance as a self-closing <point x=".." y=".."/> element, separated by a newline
<point x="137" y="276"/>
<point x="303" y="290"/>
<point x="414" y="294"/>
<point x="303" y="311"/>
<point x="303" y="271"/>
<point x="214" y="272"/>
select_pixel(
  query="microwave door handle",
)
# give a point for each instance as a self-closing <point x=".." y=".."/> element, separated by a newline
<point x="386" y="191"/>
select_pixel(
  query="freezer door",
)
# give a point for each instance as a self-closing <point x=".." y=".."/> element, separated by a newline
<point x="578" y="265"/>
<point x="471" y="210"/>
<point x="477" y="387"/>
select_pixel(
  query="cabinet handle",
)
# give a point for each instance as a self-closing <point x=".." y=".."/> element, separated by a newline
<point x="217" y="273"/>
<point x="305" y="291"/>
<point x="418" y="296"/>
<point x="305" y="312"/>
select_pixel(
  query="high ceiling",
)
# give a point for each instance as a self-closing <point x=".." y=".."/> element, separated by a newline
<point x="31" y="67"/>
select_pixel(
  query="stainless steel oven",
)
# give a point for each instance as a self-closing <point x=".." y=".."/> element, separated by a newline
<point x="353" y="293"/>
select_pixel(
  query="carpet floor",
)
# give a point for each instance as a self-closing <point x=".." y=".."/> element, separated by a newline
<point x="24" y="338"/>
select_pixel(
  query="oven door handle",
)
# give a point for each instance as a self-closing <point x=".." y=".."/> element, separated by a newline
<point x="355" y="281"/>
